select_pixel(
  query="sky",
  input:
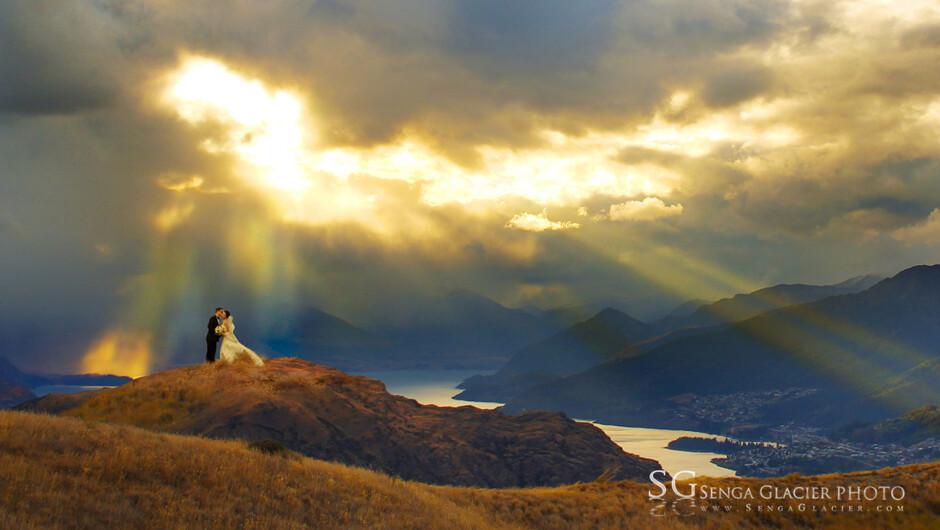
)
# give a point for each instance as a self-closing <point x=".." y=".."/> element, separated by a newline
<point x="160" y="158"/>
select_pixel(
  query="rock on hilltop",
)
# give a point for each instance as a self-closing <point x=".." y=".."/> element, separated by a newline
<point x="326" y="414"/>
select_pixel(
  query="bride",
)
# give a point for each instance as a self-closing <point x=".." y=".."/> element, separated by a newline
<point x="231" y="349"/>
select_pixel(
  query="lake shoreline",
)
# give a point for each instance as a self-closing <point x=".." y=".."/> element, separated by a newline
<point x="437" y="387"/>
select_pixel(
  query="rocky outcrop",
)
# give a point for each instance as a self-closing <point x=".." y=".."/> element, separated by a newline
<point x="326" y="414"/>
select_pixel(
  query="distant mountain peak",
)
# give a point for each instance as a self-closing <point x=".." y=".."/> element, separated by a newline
<point x="915" y="280"/>
<point x="461" y="292"/>
<point x="860" y="283"/>
<point x="461" y="295"/>
<point x="918" y="273"/>
<point x="465" y="298"/>
<point x="10" y="373"/>
<point x="610" y="314"/>
<point x="687" y="308"/>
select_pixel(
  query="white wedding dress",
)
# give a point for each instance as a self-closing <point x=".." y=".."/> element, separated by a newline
<point x="231" y="349"/>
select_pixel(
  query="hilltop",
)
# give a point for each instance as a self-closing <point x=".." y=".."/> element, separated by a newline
<point x="321" y="412"/>
<point x="65" y="472"/>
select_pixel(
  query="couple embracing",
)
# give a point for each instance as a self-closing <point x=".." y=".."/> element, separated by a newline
<point x="222" y="326"/>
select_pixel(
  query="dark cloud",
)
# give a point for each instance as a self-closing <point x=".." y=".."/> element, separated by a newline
<point x="735" y="84"/>
<point x="683" y="29"/>
<point x="547" y="39"/>
<point x="331" y="10"/>
<point x="57" y="58"/>
<point x="922" y="36"/>
<point x="473" y="73"/>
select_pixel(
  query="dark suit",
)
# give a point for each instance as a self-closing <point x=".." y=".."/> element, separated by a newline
<point x="212" y="340"/>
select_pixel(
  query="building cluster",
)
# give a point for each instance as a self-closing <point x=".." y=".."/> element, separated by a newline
<point x="737" y="409"/>
<point x="790" y="448"/>
<point x="803" y="450"/>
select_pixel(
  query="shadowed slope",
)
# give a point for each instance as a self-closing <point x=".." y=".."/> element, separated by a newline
<point x="911" y="428"/>
<point x="327" y="414"/>
<point x="13" y="388"/>
<point x="11" y="394"/>
<point x="602" y="338"/>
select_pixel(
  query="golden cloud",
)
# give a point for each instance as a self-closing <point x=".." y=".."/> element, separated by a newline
<point x="538" y="223"/>
<point x="926" y="232"/>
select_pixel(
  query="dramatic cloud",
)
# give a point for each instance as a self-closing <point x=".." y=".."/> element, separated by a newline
<point x="924" y="233"/>
<point x="59" y="58"/>
<point x="160" y="158"/>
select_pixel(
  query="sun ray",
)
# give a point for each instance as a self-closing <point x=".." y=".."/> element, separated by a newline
<point x="119" y="352"/>
<point x="821" y="341"/>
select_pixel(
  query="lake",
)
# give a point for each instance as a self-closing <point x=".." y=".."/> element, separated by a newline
<point x="428" y="387"/>
<point x="437" y="387"/>
<point x="651" y="443"/>
<point x="63" y="389"/>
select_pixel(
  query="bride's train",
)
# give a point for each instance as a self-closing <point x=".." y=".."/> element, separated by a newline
<point x="232" y="349"/>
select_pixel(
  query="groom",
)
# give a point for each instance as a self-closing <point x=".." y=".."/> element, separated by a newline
<point x="212" y="340"/>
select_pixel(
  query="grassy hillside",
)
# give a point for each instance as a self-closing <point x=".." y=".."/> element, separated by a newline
<point x="326" y="414"/>
<point x="65" y="472"/>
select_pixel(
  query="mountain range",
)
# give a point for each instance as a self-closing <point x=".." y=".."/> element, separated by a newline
<point x="568" y="315"/>
<point x="466" y="322"/>
<point x="467" y="330"/>
<point x="602" y="338"/>
<point x="326" y="414"/>
<point x="463" y="330"/>
<point x="612" y="334"/>
<point x="742" y="306"/>
<point x="867" y="356"/>
<point x="16" y="385"/>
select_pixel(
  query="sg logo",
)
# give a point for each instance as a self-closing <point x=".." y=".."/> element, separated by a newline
<point x="683" y="505"/>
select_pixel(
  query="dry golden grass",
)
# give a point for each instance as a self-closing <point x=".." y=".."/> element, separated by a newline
<point x="60" y="472"/>
<point x="67" y="473"/>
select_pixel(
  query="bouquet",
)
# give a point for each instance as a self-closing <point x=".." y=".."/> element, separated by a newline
<point x="220" y="330"/>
